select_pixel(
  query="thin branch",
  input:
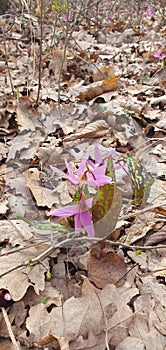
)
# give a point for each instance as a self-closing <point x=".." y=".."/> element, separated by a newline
<point x="40" y="57"/>
<point x="6" y="58"/>
<point x="70" y="241"/>
<point x="9" y="328"/>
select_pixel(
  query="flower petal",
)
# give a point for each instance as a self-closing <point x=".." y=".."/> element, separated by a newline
<point x="86" y="220"/>
<point x="69" y="210"/>
<point x="77" y="223"/>
<point x="58" y="171"/>
<point x="81" y="168"/>
<point x="89" y="202"/>
<point x="97" y="154"/>
<point x="71" y="175"/>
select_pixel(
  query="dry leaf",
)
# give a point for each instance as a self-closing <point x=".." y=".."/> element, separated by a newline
<point x="105" y="267"/>
<point x="78" y="316"/>
<point x="131" y="343"/>
<point x="93" y="342"/>
<point x="43" y="196"/>
<point x="26" y="115"/>
<point x="98" y="88"/>
<point x="58" y="343"/>
<point x="96" y="129"/>
<point x="4" y="206"/>
<point x="104" y="73"/>
<point x="18" y="281"/>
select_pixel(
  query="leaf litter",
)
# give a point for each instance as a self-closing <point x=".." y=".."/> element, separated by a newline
<point x="84" y="294"/>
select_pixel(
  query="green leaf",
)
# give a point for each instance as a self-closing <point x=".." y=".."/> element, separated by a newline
<point x="138" y="252"/>
<point x="141" y="181"/>
<point x="110" y="169"/>
<point x="141" y="195"/>
<point x="44" y="226"/>
<point x="106" y="209"/>
<point x="45" y="301"/>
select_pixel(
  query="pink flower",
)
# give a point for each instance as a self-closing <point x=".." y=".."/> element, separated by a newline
<point x="82" y="216"/>
<point x="99" y="160"/>
<point x="159" y="55"/>
<point x="149" y="14"/>
<point x="64" y="17"/>
<point x="7" y="297"/>
<point x="90" y="173"/>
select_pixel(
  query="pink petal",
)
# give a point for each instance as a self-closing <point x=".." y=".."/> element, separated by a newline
<point x="100" y="170"/>
<point x="86" y="220"/>
<point x="71" y="175"/>
<point x="82" y="165"/>
<point x="69" y="210"/>
<point x="89" y="202"/>
<point x="58" y="171"/>
<point x="97" y="155"/>
<point x="77" y="223"/>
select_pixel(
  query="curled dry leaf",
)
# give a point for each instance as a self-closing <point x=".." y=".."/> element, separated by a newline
<point x="106" y="267"/>
<point x="96" y="129"/>
<point x="98" y="88"/>
<point x="58" y="343"/>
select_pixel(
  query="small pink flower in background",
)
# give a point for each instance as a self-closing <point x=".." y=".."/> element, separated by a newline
<point x="64" y="17"/>
<point x="149" y="14"/>
<point x="110" y="16"/>
<point x="159" y="55"/>
<point x="7" y="297"/>
<point x="103" y="9"/>
<point x="82" y="216"/>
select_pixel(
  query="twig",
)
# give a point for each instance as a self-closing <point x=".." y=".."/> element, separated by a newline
<point x="6" y="58"/>
<point x="40" y="57"/>
<point x="70" y="241"/>
<point x="9" y="328"/>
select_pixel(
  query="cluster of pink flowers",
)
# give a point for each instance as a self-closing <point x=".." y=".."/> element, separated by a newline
<point x="91" y="173"/>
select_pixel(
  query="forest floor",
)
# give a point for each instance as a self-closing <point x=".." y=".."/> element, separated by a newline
<point x="76" y="77"/>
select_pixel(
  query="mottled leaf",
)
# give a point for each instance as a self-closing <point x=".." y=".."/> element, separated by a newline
<point x="141" y="181"/>
<point x="105" y="209"/>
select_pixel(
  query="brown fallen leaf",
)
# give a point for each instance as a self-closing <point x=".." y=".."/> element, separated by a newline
<point x="96" y="129"/>
<point x="104" y="73"/>
<point x="160" y="210"/>
<point x="105" y="267"/>
<point x="98" y="88"/>
<point x="56" y="342"/>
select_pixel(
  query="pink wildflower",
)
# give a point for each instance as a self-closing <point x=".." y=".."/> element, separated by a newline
<point x="159" y="55"/>
<point x="82" y="216"/>
<point x="85" y="174"/>
<point x="149" y="14"/>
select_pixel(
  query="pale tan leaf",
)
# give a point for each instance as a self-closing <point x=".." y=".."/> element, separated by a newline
<point x="18" y="281"/>
<point x="131" y="343"/>
<point x="43" y="196"/>
<point x="4" y="206"/>
<point x="96" y="129"/>
<point x="80" y="315"/>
